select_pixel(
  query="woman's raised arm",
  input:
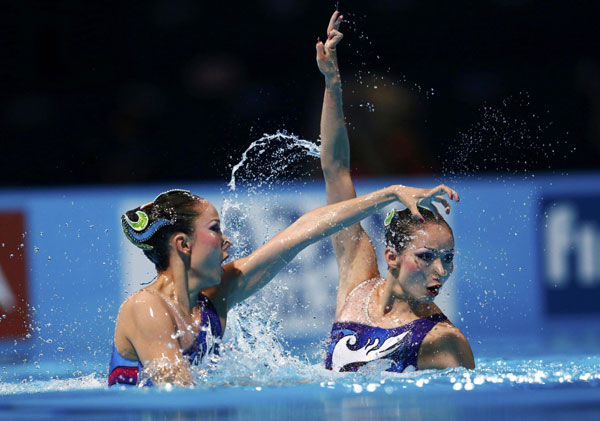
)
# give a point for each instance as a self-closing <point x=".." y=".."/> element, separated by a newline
<point x="335" y="147"/>
<point x="354" y="252"/>
<point x="245" y="276"/>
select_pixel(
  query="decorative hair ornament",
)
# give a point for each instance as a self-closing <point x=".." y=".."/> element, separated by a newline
<point x="141" y="223"/>
<point x="141" y="229"/>
<point x="139" y="237"/>
<point x="389" y="217"/>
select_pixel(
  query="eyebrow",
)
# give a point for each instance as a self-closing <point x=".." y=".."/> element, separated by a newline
<point x="442" y="250"/>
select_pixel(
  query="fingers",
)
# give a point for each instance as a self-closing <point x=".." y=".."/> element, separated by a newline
<point x="414" y="210"/>
<point x="333" y="38"/>
<point x="444" y="202"/>
<point x="320" y="50"/>
<point x="334" y="21"/>
<point x="442" y="188"/>
<point x="338" y="22"/>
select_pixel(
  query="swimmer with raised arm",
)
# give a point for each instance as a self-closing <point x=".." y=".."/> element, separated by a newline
<point x="180" y="318"/>
<point x="392" y="319"/>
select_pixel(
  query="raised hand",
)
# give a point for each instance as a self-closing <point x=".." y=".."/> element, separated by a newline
<point x="413" y="197"/>
<point x="326" y="52"/>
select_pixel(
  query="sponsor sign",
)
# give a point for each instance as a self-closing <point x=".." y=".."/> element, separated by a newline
<point x="570" y="238"/>
<point x="14" y="319"/>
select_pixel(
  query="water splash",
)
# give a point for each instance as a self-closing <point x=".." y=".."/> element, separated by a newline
<point x="253" y="350"/>
<point x="285" y="143"/>
<point x="265" y="164"/>
<point x="510" y="143"/>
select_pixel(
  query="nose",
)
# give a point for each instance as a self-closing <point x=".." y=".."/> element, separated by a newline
<point x="439" y="267"/>
<point x="226" y="242"/>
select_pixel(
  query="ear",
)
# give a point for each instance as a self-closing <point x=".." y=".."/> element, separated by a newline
<point x="392" y="258"/>
<point x="182" y="243"/>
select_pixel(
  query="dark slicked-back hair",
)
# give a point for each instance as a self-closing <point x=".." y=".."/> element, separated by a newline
<point x="401" y="227"/>
<point x="150" y="226"/>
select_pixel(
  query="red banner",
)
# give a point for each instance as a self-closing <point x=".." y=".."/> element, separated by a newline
<point x="14" y="311"/>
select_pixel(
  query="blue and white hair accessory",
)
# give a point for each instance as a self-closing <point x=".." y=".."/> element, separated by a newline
<point x="138" y="226"/>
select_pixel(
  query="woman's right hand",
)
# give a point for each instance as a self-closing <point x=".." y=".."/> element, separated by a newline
<point x="413" y="197"/>
<point x="326" y="54"/>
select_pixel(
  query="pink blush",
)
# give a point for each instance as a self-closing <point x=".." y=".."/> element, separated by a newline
<point x="208" y="238"/>
<point x="410" y="264"/>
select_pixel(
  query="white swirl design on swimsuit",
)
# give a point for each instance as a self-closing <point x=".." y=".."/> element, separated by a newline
<point x="342" y="355"/>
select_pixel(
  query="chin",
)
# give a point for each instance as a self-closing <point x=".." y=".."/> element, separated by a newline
<point x="427" y="299"/>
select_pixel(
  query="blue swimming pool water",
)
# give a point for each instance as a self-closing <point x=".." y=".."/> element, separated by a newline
<point x="552" y="374"/>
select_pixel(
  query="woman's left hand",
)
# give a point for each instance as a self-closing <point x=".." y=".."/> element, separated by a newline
<point x="326" y="53"/>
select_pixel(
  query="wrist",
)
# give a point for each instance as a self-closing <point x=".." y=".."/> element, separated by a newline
<point x="395" y="191"/>
<point x="333" y="82"/>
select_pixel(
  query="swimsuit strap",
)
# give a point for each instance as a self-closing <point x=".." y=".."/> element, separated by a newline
<point x="210" y="314"/>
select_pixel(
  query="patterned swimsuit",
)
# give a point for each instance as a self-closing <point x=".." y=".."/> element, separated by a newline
<point x="124" y="371"/>
<point x="355" y="343"/>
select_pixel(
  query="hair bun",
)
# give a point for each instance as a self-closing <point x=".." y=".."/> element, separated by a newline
<point x="139" y="227"/>
<point x="150" y="226"/>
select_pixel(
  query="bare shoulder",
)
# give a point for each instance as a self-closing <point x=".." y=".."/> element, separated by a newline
<point x="138" y="302"/>
<point x="445" y="346"/>
<point x="144" y="314"/>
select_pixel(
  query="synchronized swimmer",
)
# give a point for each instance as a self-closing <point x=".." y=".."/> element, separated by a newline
<point x="391" y="319"/>
<point x="180" y="318"/>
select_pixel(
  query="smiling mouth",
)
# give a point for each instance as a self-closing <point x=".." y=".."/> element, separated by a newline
<point x="433" y="290"/>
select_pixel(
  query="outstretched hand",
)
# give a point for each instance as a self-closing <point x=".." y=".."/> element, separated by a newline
<point x="413" y="197"/>
<point x="326" y="53"/>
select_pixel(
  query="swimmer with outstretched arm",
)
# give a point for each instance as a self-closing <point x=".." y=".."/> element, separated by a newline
<point x="392" y="319"/>
<point x="180" y="318"/>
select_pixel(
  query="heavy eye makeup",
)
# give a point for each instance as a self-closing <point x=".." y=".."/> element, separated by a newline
<point x="215" y="226"/>
<point x="428" y="256"/>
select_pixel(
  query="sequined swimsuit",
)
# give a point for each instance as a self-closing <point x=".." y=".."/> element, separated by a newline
<point x="356" y="343"/>
<point x="124" y="371"/>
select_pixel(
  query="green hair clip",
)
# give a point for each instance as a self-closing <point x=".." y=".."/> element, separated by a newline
<point x="389" y="217"/>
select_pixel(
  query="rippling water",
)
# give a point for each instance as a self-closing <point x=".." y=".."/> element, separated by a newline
<point x="289" y="386"/>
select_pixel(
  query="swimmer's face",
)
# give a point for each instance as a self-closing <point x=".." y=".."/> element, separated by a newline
<point x="427" y="262"/>
<point x="208" y="248"/>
